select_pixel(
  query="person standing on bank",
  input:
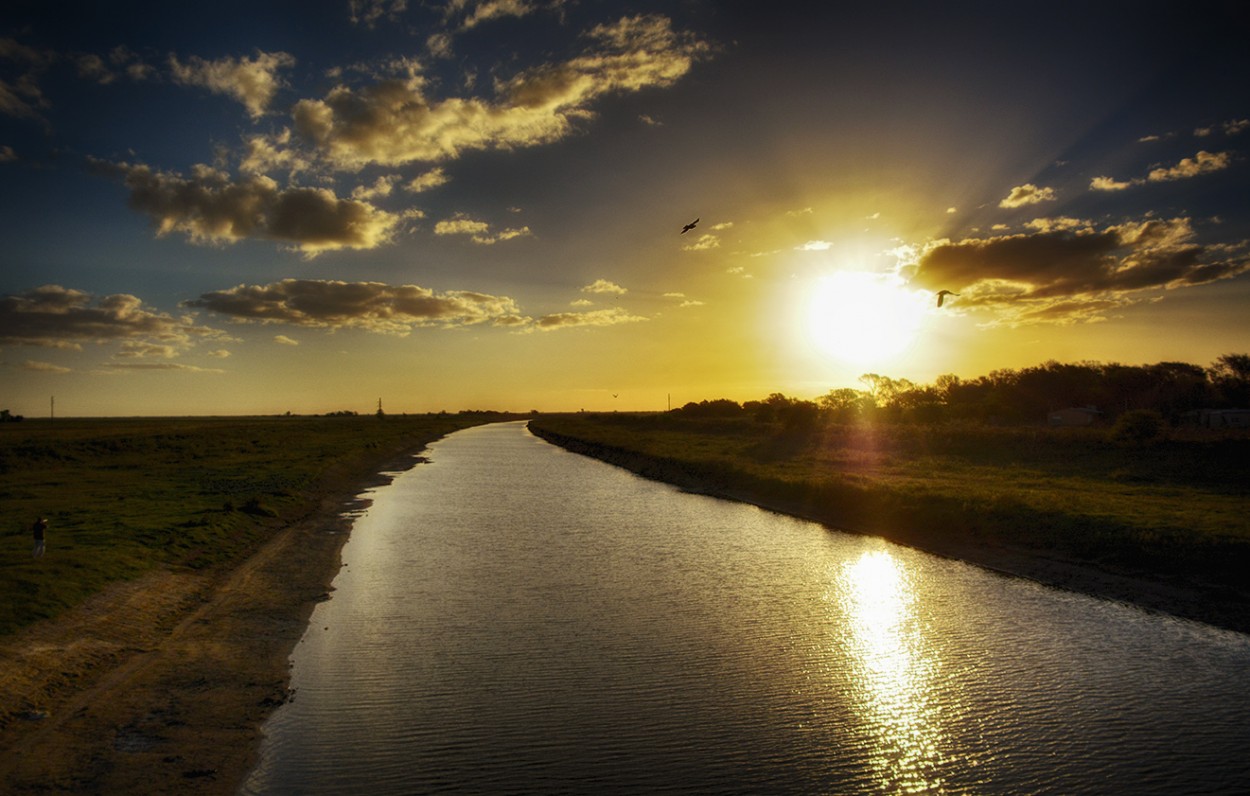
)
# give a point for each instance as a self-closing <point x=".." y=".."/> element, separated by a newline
<point x="37" y="529"/>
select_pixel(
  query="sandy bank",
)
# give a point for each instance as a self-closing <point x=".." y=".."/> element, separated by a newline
<point x="160" y="685"/>
<point x="1187" y="598"/>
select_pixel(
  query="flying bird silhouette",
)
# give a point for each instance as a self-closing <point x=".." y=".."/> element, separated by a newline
<point x="942" y="294"/>
<point x="689" y="226"/>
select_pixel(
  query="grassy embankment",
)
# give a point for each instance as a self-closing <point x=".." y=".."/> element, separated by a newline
<point x="1173" y="512"/>
<point x="125" y="496"/>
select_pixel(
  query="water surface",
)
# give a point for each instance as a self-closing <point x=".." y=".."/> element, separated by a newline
<point x="514" y="618"/>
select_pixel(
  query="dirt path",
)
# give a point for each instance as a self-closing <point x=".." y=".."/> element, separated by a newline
<point x="160" y="685"/>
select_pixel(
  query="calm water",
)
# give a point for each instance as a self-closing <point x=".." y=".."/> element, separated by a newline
<point x="513" y="618"/>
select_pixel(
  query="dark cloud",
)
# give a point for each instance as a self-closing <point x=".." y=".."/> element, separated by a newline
<point x="57" y="317"/>
<point x="1063" y="273"/>
<point x="373" y="306"/>
<point x="211" y="207"/>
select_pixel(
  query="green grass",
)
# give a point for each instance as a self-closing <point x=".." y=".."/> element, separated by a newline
<point x="1174" y="507"/>
<point x="125" y="496"/>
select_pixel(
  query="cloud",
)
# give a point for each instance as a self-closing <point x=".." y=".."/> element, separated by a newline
<point x="1065" y="272"/>
<point x="604" y="286"/>
<point x="371" y="306"/>
<point x="57" y="317"/>
<point x="23" y="99"/>
<point x="282" y="339"/>
<point x="1027" y="194"/>
<point x="7" y="154"/>
<point x="211" y="207"/>
<point x="252" y="82"/>
<point x="487" y="10"/>
<point x="381" y="187"/>
<point x="478" y="231"/>
<point x="393" y="121"/>
<point x="684" y="301"/>
<point x="1107" y="184"/>
<point x="1202" y="163"/>
<point x="1235" y="126"/>
<point x="567" y="320"/>
<point x="368" y="12"/>
<point x="704" y="243"/>
<point x="42" y="367"/>
<point x="171" y="366"/>
<point x="220" y="353"/>
<point x="814" y="246"/>
<point x="427" y="181"/>
<point x="581" y="303"/>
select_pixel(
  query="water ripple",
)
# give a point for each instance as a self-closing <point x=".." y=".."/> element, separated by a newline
<point x="517" y="619"/>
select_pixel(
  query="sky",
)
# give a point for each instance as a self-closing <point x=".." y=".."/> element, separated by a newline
<point x="263" y="207"/>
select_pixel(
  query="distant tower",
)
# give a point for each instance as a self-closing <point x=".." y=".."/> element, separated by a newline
<point x="380" y="413"/>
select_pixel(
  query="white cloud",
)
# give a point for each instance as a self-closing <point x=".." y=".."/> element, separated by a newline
<point x="814" y="246"/>
<point x="282" y="339"/>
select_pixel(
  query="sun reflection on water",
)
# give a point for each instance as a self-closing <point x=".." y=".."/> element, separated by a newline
<point x="893" y="677"/>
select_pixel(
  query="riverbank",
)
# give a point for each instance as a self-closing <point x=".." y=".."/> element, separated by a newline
<point x="160" y="683"/>
<point x="1195" y="576"/>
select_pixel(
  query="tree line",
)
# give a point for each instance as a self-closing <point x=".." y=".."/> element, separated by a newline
<point x="1173" y="390"/>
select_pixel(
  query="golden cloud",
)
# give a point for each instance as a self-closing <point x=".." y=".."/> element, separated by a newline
<point x="252" y="82"/>
<point x="393" y="122"/>
<point x="1027" y="194"/>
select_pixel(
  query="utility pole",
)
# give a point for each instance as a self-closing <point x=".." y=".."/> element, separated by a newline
<point x="52" y="408"/>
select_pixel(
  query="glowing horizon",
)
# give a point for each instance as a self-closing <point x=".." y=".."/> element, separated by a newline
<point x="479" y="205"/>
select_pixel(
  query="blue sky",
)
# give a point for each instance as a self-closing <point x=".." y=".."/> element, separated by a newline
<point x="262" y="207"/>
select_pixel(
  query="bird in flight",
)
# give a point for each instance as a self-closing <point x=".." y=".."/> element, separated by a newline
<point x="942" y="294"/>
<point x="689" y="226"/>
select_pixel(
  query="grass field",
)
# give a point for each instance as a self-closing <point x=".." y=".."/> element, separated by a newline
<point x="124" y="496"/>
<point x="1174" y="508"/>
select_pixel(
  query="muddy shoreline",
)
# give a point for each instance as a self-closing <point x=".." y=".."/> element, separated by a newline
<point x="161" y="685"/>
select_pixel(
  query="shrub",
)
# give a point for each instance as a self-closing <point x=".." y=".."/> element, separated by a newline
<point x="1138" y="426"/>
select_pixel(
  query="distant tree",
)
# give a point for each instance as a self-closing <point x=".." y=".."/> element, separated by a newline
<point x="843" y="405"/>
<point x="1230" y="380"/>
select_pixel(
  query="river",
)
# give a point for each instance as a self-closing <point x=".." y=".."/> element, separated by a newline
<point x="514" y="618"/>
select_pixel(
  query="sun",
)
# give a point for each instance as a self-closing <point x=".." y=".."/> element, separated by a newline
<point x="864" y="318"/>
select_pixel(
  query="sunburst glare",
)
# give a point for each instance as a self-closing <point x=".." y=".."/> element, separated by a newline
<point x="864" y="318"/>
